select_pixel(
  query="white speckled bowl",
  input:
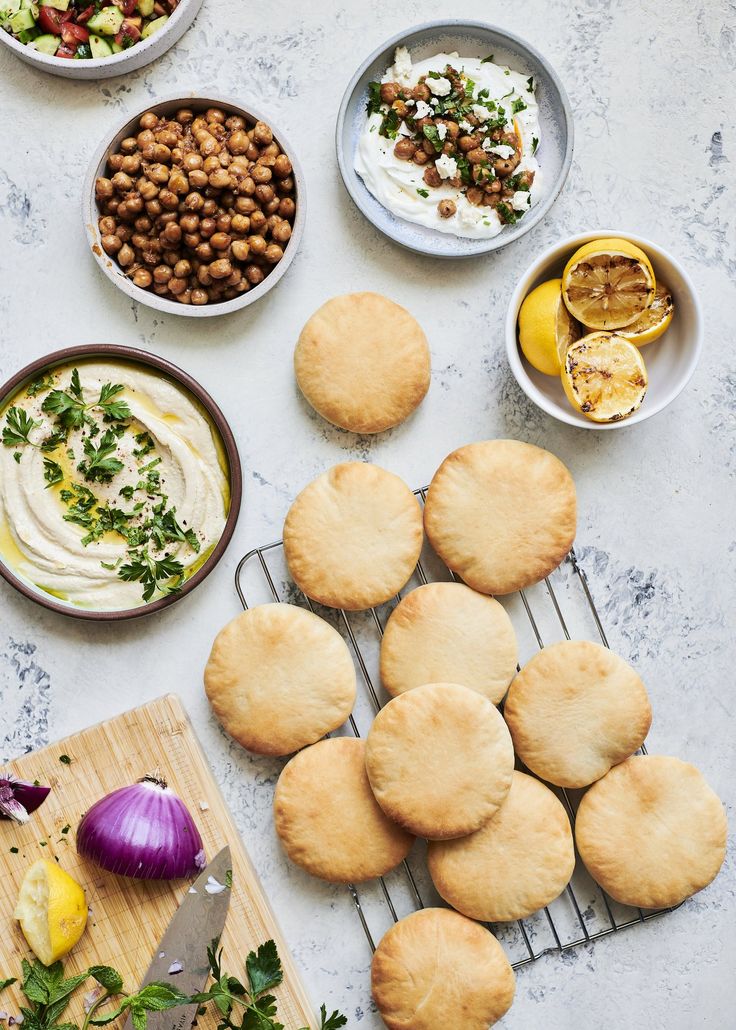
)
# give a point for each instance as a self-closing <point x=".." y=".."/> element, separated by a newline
<point x="119" y="64"/>
<point x="469" y="39"/>
<point x="91" y="215"/>
<point x="670" y="361"/>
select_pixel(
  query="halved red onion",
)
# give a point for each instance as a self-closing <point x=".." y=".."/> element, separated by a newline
<point x="19" y="799"/>
<point x="144" y="831"/>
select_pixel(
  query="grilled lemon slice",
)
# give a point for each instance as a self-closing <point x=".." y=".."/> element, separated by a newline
<point x="604" y="377"/>
<point x="652" y="323"/>
<point x="608" y="284"/>
<point x="546" y="328"/>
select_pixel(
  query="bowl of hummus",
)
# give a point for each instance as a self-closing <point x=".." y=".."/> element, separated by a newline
<point x="120" y="482"/>
<point x="454" y="138"/>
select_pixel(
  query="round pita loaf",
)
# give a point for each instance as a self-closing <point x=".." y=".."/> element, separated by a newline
<point x="520" y="861"/>
<point x="362" y="362"/>
<point x="448" y="633"/>
<point x="439" y="760"/>
<point x="437" y="970"/>
<point x="327" y="818"/>
<point x="575" y="710"/>
<point x="501" y="514"/>
<point x="279" y="678"/>
<point x="353" y="536"/>
<point x="651" y="832"/>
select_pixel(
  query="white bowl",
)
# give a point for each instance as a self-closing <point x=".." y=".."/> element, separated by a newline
<point x="670" y="361"/>
<point x="91" y="214"/>
<point x="119" y="64"/>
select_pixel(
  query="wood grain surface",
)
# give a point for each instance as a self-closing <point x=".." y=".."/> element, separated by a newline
<point x="128" y="917"/>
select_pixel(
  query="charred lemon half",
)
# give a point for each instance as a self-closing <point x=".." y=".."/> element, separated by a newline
<point x="608" y="284"/>
<point x="604" y="377"/>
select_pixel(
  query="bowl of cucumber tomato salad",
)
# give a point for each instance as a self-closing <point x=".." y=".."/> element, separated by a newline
<point x="91" y="39"/>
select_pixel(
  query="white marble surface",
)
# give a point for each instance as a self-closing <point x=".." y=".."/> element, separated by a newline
<point x="653" y="90"/>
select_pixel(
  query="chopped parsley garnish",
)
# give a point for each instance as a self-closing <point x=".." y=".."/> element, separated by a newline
<point x="518" y="105"/>
<point x="530" y="84"/>
<point x="535" y="144"/>
<point x="423" y="193"/>
<point x="374" y="98"/>
<point x="162" y="574"/>
<point x="390" y="124"/>
<point x="487" y="60"/>
<point x="40" y="385"/>
<point x="65" y="759"/>
<point x="99" y="466"/>
<point x="52" y="472"/>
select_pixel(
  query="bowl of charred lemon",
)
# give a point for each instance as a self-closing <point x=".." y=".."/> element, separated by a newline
<point x="604" y="330"/>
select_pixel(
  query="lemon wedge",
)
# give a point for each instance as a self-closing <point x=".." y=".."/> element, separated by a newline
<point x="604" y="377"/>
<point x="608" y="284"/>
<point x="52" y="911"/>
<point x="546" y="328"/>
<point x="650" y="325"/>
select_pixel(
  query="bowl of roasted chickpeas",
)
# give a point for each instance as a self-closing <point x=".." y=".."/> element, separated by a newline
<point x="195" y="206"/>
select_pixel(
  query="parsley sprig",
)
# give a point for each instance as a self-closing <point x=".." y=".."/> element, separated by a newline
<point x="72" y="410"/>
<point x="253" y="999"/>
<point x="99" y="466"/>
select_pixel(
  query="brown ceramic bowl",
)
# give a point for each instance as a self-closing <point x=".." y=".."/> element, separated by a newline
<point x="219" y="422"/>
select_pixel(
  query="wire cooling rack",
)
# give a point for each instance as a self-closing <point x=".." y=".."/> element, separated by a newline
<point x="561" y="607"/>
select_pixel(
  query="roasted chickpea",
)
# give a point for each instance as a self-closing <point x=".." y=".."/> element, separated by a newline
<point x="111" y="244"/>
<point x="129" y="145"/>
<point x="220" y="241"/>
<point x="189" y="223"/>
<point x="182" y="269"/>
<point x="172" y="233"/>
<point x="176" y="285"/>
<point x="168" y="200"/>
<point x="149" y="120"/>
<point x="107" y="225"/>
<point x="282" y="166"/>
<point x="287" y="207"/>
<point x="405" y="149"/>
<point x="104" y="189"/>
<point x="238" y="142"/>
<point x="245" y="205"/>
<point x="240" y="223"/>
<point x="126" y="255"/>
<point x="474" y="195"/>
<point x="203" y="276"/>
<point x="122" y="182"/>
<point x="446" y="208"/>
<point x="262" y="133"/>
<point x="115" y="162"/>
<point x="281" y="232"/>
<point x="273" y="254"/>
<point x="257" y="220"/>
<point x="193" y="202"/>
<point x="184" y="116"/>
<point x="220" y="269"/>
<point x="421" y="157"/>
<point x="264" y="193"/>
<point x="178" y="183"/>
<point x="254" y="274"/>
<point x="220" y="179"/>
<point x="199" y="296"/>
<point x="162" y="274"/>
<point x="204" y="252"/>
<point x="240" y="250"/>
<point x="260" y="174"/>
<point x="142" y="277"/>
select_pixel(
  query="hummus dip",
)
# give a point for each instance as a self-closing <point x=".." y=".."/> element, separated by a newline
<point x="113" y="485"/>
<point x="450" y="143"/>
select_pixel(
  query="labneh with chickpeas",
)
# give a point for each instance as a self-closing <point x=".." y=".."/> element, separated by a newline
<point x="197" y="207"/>
<point x="450" y="143"/>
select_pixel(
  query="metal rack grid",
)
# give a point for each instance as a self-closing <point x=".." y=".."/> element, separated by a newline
<point x="583" y="913"/>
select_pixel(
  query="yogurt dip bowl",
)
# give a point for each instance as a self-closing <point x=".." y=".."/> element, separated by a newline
<point x="374" y="179"/>
<point x="670" y="360"/>
<point x="120" y="482"/>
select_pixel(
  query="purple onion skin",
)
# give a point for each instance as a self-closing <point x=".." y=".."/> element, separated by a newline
<point x="29" y="795"/>
<point x="143" y="831"/>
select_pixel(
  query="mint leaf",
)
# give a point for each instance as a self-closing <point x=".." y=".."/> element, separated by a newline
<point x="108" y="977"/>
<point x="8" y="983"/>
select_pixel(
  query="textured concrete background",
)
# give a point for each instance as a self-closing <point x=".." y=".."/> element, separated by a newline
<point x="652" y="86"/>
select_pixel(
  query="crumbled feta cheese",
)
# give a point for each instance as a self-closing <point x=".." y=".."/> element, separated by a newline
<point x="423" y="111"/>
<point x="442" y="131"/>
<point x="470" y="216"/>
<point x="434" y="102"/>
<point x="481" y="112"/>
<point x="487" y="144"/>
<point x="410" y="102"/>
<point x="446" y="166"/>
<point x="521" y="200"/>
<point x="466" y="126"/>
<point x="402" y="64"/>
<point x="440" y="87"/>
<point x="503" y="150"/>
<point x="404" y="130"/>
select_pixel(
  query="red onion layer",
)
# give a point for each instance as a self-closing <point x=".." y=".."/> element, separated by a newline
<point x="19" y="799"/>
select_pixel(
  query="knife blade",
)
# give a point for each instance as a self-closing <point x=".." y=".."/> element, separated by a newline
<point x="199" y="920"/>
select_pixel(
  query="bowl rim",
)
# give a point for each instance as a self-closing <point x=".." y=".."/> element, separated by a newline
<point x="500" y="241"/>
<point x="556" y="252"/>
<point x="50" y="63"/>
<point x="158" y="364"/>
<point x="90" y="213"/>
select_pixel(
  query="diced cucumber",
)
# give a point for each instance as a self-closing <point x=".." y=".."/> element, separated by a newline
<point x="116" y="48"/>
<point x="28" y="35"/>
<point x="154" y="26"/>
<point x="145" y="7"/>
<point x="47" y="44"/>
<point x="100" y="47"/>
<point x="22" y="20"/>
<point x="60" y="5"/>
<point x="106" y="22"/>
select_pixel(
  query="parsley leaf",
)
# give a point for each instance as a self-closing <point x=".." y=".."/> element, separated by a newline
<point x="154" y="574"/>
<point x="264" y="968"/>
<point x="518" y="105"/>
<point x="374" y="98"/>
<point x="423" y="193"/>
<point x="333" y="1022"/>
<point x="52" y="472"/>
<point x="18" y="426"/>
<point x="40" y="385"/>
<point x="535" y="144"/>
<point x="100" y="466"/>
<point x="112" y="409"/>
<point x="530" y="84"/>
<point x="430" y="132"/>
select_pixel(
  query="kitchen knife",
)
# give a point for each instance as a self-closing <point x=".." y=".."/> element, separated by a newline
<point x="198" y="921"/>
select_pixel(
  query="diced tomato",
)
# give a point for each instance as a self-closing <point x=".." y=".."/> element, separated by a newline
<point x="129" y="7"/>
<point x="51" y="20"/>
<point x="73" y="34"/>
<point x="86" y="14"/>
<point x="129" y="33"/>
<point x="65" y="50"/>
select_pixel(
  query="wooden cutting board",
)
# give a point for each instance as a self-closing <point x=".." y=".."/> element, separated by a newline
<point x="128" y="917"/>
